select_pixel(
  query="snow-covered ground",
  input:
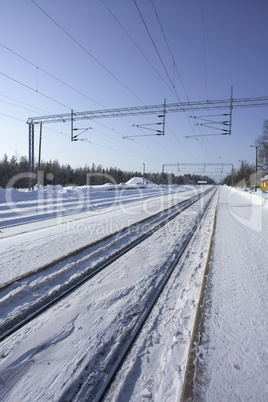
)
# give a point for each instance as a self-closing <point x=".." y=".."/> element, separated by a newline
<point x="46" y="359"/>
<point x="59" y="221"/>
<point x="233" y="352"/>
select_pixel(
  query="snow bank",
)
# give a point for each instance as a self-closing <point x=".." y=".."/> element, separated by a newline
<point x="139" y="181"/>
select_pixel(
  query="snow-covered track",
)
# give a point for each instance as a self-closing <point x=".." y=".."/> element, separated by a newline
<point x="52" y="210"/>
<point x="86" y="391"/>
<point x="127" y="240"/>
<point x="162" y="217"/>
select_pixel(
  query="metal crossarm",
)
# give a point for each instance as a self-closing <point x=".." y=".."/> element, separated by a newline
<point x="154" y="109"/>
<point x="161" y="109"/>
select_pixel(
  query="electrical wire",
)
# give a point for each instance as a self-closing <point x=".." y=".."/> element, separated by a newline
<point x="135" y="156"/>
<point x="71" y="37"/>
<point x="23" y="103"/>
<point x="160" y="56"/>
<point x="113" y="15"/>
<point x="87" y="52"/>
<point x="82" y="47"/>
<point x="43" y="95"/>
<point x="204" y="46"/>
<point x="170" y="52"/>
<point x="13" y="104"/>
<point x="50" y="75"/>
<point x="137" y="46"/>
<point x="150" y="36"/>
<point x="38" y="68"/>
<point x="162" y="30"/>
<point x="12" y="117"/>
<point x="32" y="89"/>
<point x="149" y="60"/>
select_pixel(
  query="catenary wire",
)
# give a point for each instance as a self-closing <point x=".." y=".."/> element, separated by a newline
<point x="204" y="46"/>
<point x="42" y="95"/>
<point x="12" y="117"/>
<point x="161" y="61"/>
<point x="32" y="89"/>
<point x="87" y="52"/>
<point x="149" y="60"/>
<point x="155" y="47"/>
<point x="23" y="103"/>
<point x="13" y="104"/>
<point x="174" y="63"/>
<point x="82" y="47"/>
<point x="45" y="72"/>
<point x="137" y="46"/>
<point x="50" y="75"/>
<point x="28" y="87"/>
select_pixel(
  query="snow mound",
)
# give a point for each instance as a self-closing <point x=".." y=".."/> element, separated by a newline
<point x="139" y="181"/>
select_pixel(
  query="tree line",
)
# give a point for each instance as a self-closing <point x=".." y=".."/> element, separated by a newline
<point x="53" y="173"/>
<point x="244" y="176"/>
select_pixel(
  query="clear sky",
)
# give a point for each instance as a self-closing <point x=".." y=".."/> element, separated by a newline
<point x="93" y="54"/>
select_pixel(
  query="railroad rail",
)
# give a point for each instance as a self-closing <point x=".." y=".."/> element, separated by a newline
<point x="98" y="392"/>
<point x="55" y="207"/>
<point x="135" y="234"/>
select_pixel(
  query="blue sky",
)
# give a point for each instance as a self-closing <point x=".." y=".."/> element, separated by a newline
<point x="108" y="60"/>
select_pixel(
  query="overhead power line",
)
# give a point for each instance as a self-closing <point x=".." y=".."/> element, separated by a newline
<point x="204" y="46"/>
<point x="162" y="31"/>
<point x="180" y="78"/>
<point x="170" y="52"/>
<point x="137" y="46"/>
<point x="22" y="103"/>
<point x="160" y="58"/>
<point x="86" y="51"/>
<point x="49" y="74"/>
<point x="32" y="89"/>
<point x="11" y="117"/>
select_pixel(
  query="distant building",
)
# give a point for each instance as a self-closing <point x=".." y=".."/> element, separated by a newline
<point x="264" y="182"/>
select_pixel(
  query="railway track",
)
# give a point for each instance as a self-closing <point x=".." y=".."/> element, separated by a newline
<point x="69" y="269"/>
<point x="97" y="392"/>
<point x="14" y="214"/>
<point x="93" y="228"/>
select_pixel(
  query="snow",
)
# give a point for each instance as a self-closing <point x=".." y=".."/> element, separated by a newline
<point x="46" y="359"/>
<point x="233" y="355"/>
<point x="139" y="181"/>
<point x="84" y="216"/>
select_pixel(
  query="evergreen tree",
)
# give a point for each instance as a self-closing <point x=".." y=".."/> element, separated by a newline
<point x="262" y="144"/>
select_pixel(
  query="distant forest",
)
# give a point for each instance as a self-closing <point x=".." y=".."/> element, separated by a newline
<point x="245" y="175"/>
<point x="53" y="173"/>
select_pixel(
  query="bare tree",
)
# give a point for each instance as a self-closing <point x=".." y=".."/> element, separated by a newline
<point x="262" y="144"/>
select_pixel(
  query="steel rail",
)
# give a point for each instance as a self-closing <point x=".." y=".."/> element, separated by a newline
<point x="44" y="217"/>
<point x="83" y="248"/>
<point x="98" y="395"/>
<point x="18" y="322"/>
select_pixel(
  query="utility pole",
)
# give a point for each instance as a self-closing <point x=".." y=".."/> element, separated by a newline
<point x="39" y="157"/>
<point x="256" y="167"/>
<point x="143" y="172"/>
<point x="72" y="125"/>
<point x="242" y="169"/>
<point x="31" y="154"/>
<point x="164" y="117"/>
